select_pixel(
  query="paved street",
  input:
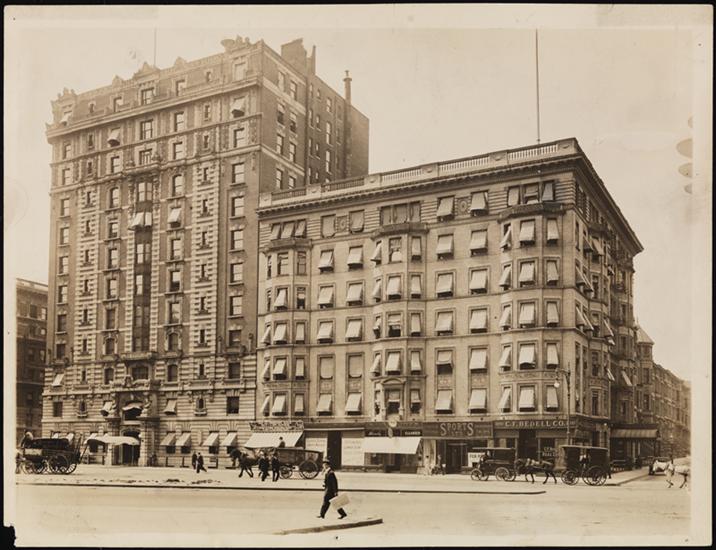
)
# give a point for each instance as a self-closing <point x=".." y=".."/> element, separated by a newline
<point x="151" y="516"/>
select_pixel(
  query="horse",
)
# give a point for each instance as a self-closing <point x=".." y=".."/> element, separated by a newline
<point x="683" y="470"/>
<point x="529" y="466"/>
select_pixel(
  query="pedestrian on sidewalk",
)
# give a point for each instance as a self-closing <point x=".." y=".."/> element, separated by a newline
<point x="330" y="490"/>
<point x="235" y="455"/>
<point x="263" y="466"/>
<point x="245" y="465"/>
<point x="193" y="461"/>
<point x="200" y="463"/>
<point x="275" y="467"/>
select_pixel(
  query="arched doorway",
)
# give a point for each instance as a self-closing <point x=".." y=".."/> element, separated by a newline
<point x="129" y="454"/>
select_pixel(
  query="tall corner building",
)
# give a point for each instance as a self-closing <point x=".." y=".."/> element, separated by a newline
<point x="424" y="312"/>
<point x="154" y="244"/>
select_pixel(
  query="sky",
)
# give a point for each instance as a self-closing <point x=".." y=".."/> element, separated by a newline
<point x="436" y="83"/>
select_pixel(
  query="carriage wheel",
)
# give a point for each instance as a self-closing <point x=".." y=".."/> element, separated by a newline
<point x="476" y="475"/>
<point x="569" y="477"/>
<point x="71" y="468"/>
<point x="286" y="471"/>
<point x="59" y="464"/>
<point x="596" y="476"/>
<point x="308" y="469"/>
<point x="503" y="474"/>
<point x="29" y="467"/>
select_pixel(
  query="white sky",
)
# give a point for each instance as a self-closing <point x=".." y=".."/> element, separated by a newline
<point x="436" y="83"/>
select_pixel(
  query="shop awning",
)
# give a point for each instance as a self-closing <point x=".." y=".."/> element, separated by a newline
<point x="212" y="440"/>
<point x="355" y="256"/>
<point x="168" y="440"/>
<point x="171" y="407"/>
<point x="115" y="439"/>
<point x="353" y="403"/>
<point x="445" y="206"/>
<point x="391" y="445"/>
<point x="132" y="405"/>
<point x="184" y="440"/>
<point x="259" y="440"/>
<point x="444" y="244"/>
<point x="70" y="436"/>
<point x="279" y="404"/>
<point x="633" y="433"/>
<point x="478" y="202"/>
<point x="230" y="440"/>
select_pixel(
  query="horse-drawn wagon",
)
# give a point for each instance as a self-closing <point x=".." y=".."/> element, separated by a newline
<point x="307" y="462"/>
<point x="50" y="455"/>
<point x="497" y="461"/>
<point x="589" y="463"/>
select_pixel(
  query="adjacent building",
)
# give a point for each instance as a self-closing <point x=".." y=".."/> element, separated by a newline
<point x="427" y="311"/>
<point x="154" y="242"/>
<point x="31" y="348"/>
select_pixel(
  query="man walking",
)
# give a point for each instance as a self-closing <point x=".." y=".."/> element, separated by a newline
<point x="200" y="463"/>
<point x="263" y="466"/>
<point x="330" y="486"/>
<point x="275" y="467"/>
<point x="245" y="465"/>
<point x="193" y="461"/>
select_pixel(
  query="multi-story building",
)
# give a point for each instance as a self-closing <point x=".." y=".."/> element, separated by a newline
<point x="155" y="185"/>
<point x="431" y="310"/>
<point x="672" y="397"/>
<point x="31" y="348"/>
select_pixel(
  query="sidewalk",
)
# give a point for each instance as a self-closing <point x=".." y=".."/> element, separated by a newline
<point x="98" y="475"/>
<point x="620" y="478"/>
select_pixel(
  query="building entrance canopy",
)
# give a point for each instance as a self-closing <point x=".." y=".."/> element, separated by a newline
<point x="633" y="433"/>
<point x="259" y="440"/>
<point x="114" y="439"/>
<point x="391" y="445"/>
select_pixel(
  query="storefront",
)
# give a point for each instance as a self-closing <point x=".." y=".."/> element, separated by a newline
<point x="534" y="438"/>
<point x="341" y="444"/>
<point x="634" y="440"/>
<point x="395" y="448"/>
<point x="266" y="434"/>
<point x="449" y="443"/>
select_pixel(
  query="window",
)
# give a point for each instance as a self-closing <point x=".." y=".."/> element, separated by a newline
<point x="355" y="366"/>
<point x="114" y="165"/>
<point x="61" y="323"/>
<point x="300" y="297"/>
<point x="395" y="325"/>
<point x="237" y="206"/>
<point x="175" y="249"/>
<point x="293" y="124"/>
<point x="143" y="253"/>
<point x="108" y="376"/>
<point x="527" y="232"/>
<point x="325" y="332"/>
<point x="478" y="203"/>
<point x="445" y="208"/>
<point x="279" y="143"/>
<point x="445" y="247"/>
<point x="506" y="277"/>
<point x="178" y="150"/>
<point x="179" y="123"/>
<point x="146" y="129"/>
<point x="64" y="264"/>
<point x="232" y="405"/>
<point x="354" y="330"/>
<point x="64" y="235"/>
<point x="236" y="274"/>
<point x="478" y="281"/>
<point x="444" y="285"/>
<point x="112" y="229"/>
<point x="174" y="281"/>
<point x="239" y="136"/>
<point x="293" y="90"/>
<point x="57" y="409"/>
<point x="279" y="178"/>
<point x="552" y="402"/>
<point x="478" y="359"/>
<point x="282" y="263"/>
<point x="325" y="263"/>
<point x="527" y="358"/>
<point x="237" y="239"/>
<point x="505" y="363"/>
<point x="62" y="294"/>
<point x="527" y="274"/>
<point x="443" y="403"/>
<point x="552" y="231"/>
<point x="110" y="319"/>
<point x="552" y="272"/>
<point x="394" y="290"/>
<point x="207" y="111"/>
<point x="64" y="207"/>
<point x="179" y="86"/>
<point x="90" y="142"/>
<point x="513" y="196"/>
<point x="527" y="398"/>
<point x="478" y="242"/>
<point x="329" y="132"/>
<point x="552" y="319"/>
<point x="325" y="296"/>
<point x="174" y="316"/>
<point x="478" y="400"/>
<point x="505" y="404"/>
<point x="548" y="191"/>
<point x="444" y="323"/>
<point x="235" y="306"/>
<point x="328" y="160"/>
<point x="326" y="367"/>
<point x="354" y="294"/>
<point x="415" y="324"/>
<point x="234" y="342"/>
<point x="506" y="317"/>
<point x="506" y="242"/>
<point x="478" y="320"/>
<point x="292" y="152"/>
<point x="392" y="401"/>
<point x="531" y="193"/>
<point x="299" y="336"/>
<point x="356" y="221"/>
<point x="145" y="96"/>
<point x="177" y="185"/>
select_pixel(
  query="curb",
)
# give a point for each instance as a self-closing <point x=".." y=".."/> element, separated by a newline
<point x="333" y="526"/>
<point x="258" y="488"/>
<point x="620" y="483"/>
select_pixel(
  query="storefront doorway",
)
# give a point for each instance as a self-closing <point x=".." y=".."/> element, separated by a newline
<point x="527" y="444"/>
<point x="129" y="454"/>
<point x="334" y="448"/>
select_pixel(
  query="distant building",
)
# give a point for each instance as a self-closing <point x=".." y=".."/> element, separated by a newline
<point x="155" y="185"/>
<point x="31" y="348"/>
<point x="443" y="304"/>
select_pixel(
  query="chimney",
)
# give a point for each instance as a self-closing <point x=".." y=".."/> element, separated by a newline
<point x="295" y="54"/>
<point x="347" y="82"/>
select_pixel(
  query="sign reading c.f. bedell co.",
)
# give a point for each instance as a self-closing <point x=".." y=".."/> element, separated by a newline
<point x="532" y="423"/>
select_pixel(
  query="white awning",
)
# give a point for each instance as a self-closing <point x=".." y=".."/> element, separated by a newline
<point x="281" y="298"/>
<point x="506" y="241"/>
<point x="478" y="320"/>
<point x="260" y="440"/>
<point x="506" y="277"/>
<point x="354" y="329"/>
<point x="168" y="440"/>
<point x="445" y="206"/>
<point x="133" y="405"/>
<point x="506" y="358"/>
<point x="478" y="202"/>
<point x="391" y="445"/>
<point x="444" y="284"/>
<point x="548" y="191"/>
<point x="355" y="293"/>
<point x="527" y="273"/>
<point x="184" y="440"/>
<point x="279" y="336"/>
<point x="598" y="250"/>
<point x="415" y="327"/>
<point x="444" y="401"/>
<point x="265" y="405"/>
<point x="392" y="362"/>
<point x="375" y="368"/>
<point x="610" y="375"/>
<point x="279" y="404"/>
<point x="238" y="107"/>
<point x="444" y="244"/>
<point x="266" y="338"/>
<point x="478" y="399"/>
<point x="415" y="365"/>
<point x="552" y="402"/>
<point x="353" y="403"/>
<point x="137" y="220"/>
<point x="527" y="398"/>
<point x="552" y="273"/>
<point x="478" y="280"/>
<point x="581" y="321"/>
<point x="171" y="407"/>
<point x="298" y="405"/>
<point x="527" y="232"/>
<point x="355" y="256"/>
<point x="377" y="324"/>
<point x="552" y="314"/>
<point x="527" y="355"/>
<point x="324" y="403"/>
<point x="287" y="230"/>
<point x="416" y="248"/>
<point x="212" y="440"/>
<point x="552" y="356"/>
<point x="607" y="329"/>
<point x="107" y="408"/>
<point x="116" y="440"/>
<point x="300" y="228"/>
<point x="113" y="139"/>
<point x="147" y="219"/>
<point x="300" y="367"/>
<point x="506" y="317"/>
<point x="527" y="313"/>
<point x="505" y="403"/>
<point x="265" y="373"/>
<point x="478" y="240"/>
<point x="552" y="231"/>
<point x="377" y="290"/>
<point x="66" y="117"/>
<point x="394" y="287"/>
<point x="415" y="288"/>
<point x="415" y="396"/>
<point x="230" y="440"/>
<point x="478" y="359"/>
<point x="325" y="296"/>
<point x="275" y="231"/>
<point x="377" y="255"/>
<point x="326" y="261"/>
<point x="580" y="279"/>
<point x="279" y="366"/>
<point x="444" y="357"/>
<point x="625" y="377"/>
<point x="174" y="215"/>
<point x="444" y="322"/>
<point x="325" y="330"/>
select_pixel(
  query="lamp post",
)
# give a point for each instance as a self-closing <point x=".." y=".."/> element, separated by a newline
<point x="567" y="376"/>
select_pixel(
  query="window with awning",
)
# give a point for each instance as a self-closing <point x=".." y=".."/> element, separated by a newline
<point x="478" y="320"/>
<point x="415" y="287"/>
<point x="184" y="440"/>
<point x="57" y="380"/>
<point x="279" y="366"/>
<point x="377" y="325"/>
<point x="265" y="406"/>
<point x="354" y="330"/>
<point x="238" y="107"/>
<point x="505" y="404"/>
<point x="444" y="358"/>
<point x="552" y="356"/>
<point x="416" y="248"/>
<point x="326" y="367"/>
<point x="325" y="296"/>
<point x="478" y="281"/>
<point x="478" y="400"/>
<point x="444" y="286"/>
<point x="527" y="314"/>
<point x="581" y="322"/>
<point x="281" y="299"/>
<point x="626" y="379"/>
<point x="552" y="402"/>
<point x="552" y="272"/>
<point x="443" y="322"/>
<point x="598" y="250"/>
<point x="443" y="403"/>
<point x="392" y="362"/>
<point x="353" y="403"/>
<point x="300" y="368"/>
<point x="114" y="140"/>
<point x="171" y="406"/>
<point x="375" y="367"/>
<point x="280" y="333"/>
<point x="415" y="363"/>
<point x="395" y="324"/>
<point x="266" y="338"/>
<point x="416" y="328"/>
<point x="354" y="295"/>
<point x="326" y="260"/>
<point x="275" y="231"/>
<point x="377" y="255"/>
<point x="230" y="440"/>
<point x="137" y="220"/>
<point x="478" y="202"/>
<point x="478" y="241"/>
<point x="174" y="215"/>
<point x="506" y="358"/>
<point x="394" y="287"/>
<point x="355" y="256"/>
<point x="527" y="359"/>
<point x="325" y="331"/>
<point x="506" y="317"/>
<point x="445" y="207"/>
<point x="169" y="440"/>
<point x="527" y="398"/>
<point x="588" y="327"/>
<point x="527" y="273"/>
<point x="581" y="281"/>
<point x="107" y="408"/>
<point x="377" y="290"/>
<point x="298" y="404"/>
<point x="266" y="372"/>
<point x="506" y="241"/>
<point x="610" y="375"/>
<point x="552" y="314"/>
<point x="212" y="440"/>
<point x="324" y="403"/>
<point x="478" y="359"/>
<point x="506" y="277"/>
<point x="279" y="404"/>
<point x="552" y="231"/>
<point x="300" y="228"/>
<point x="527" y="232"/>
<point x="445" y="245"/>
<point x="287" y="230"/>
<point x="548" y="191"/>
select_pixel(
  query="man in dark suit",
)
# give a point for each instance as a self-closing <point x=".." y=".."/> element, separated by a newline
<point x="275" y="467"/>
<point x="263" y="466"/>
<point x="245" y="464"/>
<point x="200" y="463"/>
<point x="330" y="486"/>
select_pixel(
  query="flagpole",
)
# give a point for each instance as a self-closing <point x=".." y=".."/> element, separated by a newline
<point x="537" y="80"/>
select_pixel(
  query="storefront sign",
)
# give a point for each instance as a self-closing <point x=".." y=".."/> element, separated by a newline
<point x="548" y="451"/>
<point x="458" y="430"/>
<point x="410" y="433"/>
<point x="531" y="424"/>
<point x="376" y="433"/>
<point x="352" y="451"/>
<point x="473" y="458"/>
<point x="276" y="426"/>
<point x="317" y="444"/>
